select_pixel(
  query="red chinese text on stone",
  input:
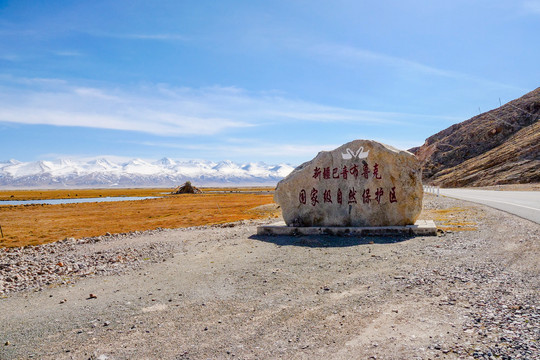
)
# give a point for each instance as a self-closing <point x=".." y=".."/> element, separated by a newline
<point x="314" y="197"/>
<point x="302" y="197"/>
<point x="392" y="195"/>
<point x="327" y="196"/>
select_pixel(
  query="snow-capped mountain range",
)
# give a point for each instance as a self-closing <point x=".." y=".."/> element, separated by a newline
<point x="102" y="172"/>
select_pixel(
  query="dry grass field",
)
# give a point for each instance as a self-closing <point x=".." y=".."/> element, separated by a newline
<point x="38" y="224"/>
<point x="94" y="193"/>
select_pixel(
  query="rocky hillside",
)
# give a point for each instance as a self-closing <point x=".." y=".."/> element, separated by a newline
<point x="501" y="146"/>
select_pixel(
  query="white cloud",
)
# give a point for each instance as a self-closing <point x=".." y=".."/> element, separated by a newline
<point x="357" y="54"/>
<point x="68" y="53"/>
<point x="532" y="6"/>
<point x="259" y="149"/>
<point x="95" y="93"/>
<point x="86" y="157"/>
<point x="55" y="103"/>
<point x="164" y="110"/>
<point x="9" y="79"/>
<point x="139" y="36"/>
<point x="354" y="55"/>
<point x="237" y="148"/>
<point x="10" y="57"/>
<point x="270" y="152"/>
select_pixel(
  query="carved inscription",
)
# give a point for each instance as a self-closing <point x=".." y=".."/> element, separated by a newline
<point x="356" y="194"/>
<point x="361" y="183"/>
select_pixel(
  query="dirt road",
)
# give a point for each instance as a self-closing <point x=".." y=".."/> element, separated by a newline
<point x="224" y="293"/>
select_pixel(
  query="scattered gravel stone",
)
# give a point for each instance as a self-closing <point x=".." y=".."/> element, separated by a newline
<point x="463" y="295"/>
<point x="62" y="262"/>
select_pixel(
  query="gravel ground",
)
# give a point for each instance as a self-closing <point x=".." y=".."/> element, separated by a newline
<point x="223" y="292"/>
<point x="34" y="267"/>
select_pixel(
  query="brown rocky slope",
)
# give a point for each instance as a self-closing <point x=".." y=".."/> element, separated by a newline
<point x="501" y="146"/>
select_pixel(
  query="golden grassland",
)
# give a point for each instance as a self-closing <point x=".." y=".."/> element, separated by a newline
<point x="94" y="193"/>
<point x="453" y="219"/>
<point x="39" y="224"/>
<point x="77" y="193"/>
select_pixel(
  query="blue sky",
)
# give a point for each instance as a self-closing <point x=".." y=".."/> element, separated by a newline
<point x="272" y="81"/>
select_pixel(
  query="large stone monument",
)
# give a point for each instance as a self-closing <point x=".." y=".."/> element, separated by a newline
<point x="360" y="184"/>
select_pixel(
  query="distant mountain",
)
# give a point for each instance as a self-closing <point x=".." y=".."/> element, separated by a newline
<point x="501" y="146"/>
<point x="166" y="172"/>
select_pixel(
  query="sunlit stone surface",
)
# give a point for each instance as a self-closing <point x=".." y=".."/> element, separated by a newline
<point x="361" y="183"/>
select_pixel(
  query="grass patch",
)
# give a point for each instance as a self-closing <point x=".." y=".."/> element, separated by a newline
<point x="38" y="224"/>
<point x="40" y="194"/>
<point x="20" y="195"/>
<point x="454" y="219"/>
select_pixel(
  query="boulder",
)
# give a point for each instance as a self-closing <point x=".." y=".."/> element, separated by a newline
<point x="186" y="188"/>
<point x="361" y="183"/>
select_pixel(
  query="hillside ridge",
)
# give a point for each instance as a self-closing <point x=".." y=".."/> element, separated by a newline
<point x="500" y="146"/>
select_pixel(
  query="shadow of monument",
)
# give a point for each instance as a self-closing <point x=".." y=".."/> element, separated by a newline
<point x="330" y="241"/>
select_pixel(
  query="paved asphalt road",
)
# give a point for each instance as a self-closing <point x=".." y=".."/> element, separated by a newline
<point x="525" y="204"/>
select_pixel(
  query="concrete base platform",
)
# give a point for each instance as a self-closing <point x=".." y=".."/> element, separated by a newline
<point x="421" y="227"/>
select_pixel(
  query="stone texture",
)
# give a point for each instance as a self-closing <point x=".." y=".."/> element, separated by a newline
<point x="361" y="183"/>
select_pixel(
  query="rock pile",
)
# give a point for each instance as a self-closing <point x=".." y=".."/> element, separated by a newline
<point x="186" y="188"/>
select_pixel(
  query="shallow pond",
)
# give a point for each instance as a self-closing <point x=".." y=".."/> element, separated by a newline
<point x="75" y="201"/>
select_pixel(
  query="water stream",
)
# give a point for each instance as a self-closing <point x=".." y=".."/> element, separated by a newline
<point x="75" y="201"/>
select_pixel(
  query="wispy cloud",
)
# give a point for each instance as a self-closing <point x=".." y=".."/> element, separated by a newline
<point x="265" y="149"/>
<point x="86" y="157"/>
<point x="11" y="81"/>
<point x="141" y="36"/>
<point x="158" y="109"/>
<point x="255" y="149"/>
<point x="165" y="110"/>
<point x="57" y="103"/>
<point x="18" y="32"/>
<point x="10" y="57"/>
<point x="354" y="55"/>
<point x="531" y="7"/>
<point x="68" y="53"/>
